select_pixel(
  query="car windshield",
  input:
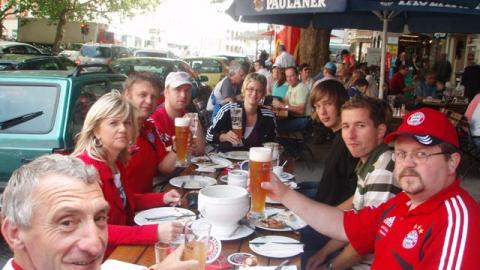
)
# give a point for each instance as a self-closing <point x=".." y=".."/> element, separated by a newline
<point x="96" y="51"/>
<point x="158" y="67"/>
<point x="21" y="100"/>
<point x="206" y="66"/>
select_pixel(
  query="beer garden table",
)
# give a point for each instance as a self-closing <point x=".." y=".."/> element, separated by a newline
<point x="145" y="255"/>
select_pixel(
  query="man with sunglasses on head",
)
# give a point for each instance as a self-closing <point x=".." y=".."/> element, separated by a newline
<point x="432" y="224"/>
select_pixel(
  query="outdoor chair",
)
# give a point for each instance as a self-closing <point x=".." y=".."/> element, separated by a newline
<point x="295" y="144"/>
<point x="203" y="114"/>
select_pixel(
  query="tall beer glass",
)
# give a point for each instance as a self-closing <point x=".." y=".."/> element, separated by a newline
<point x="182" y="132"/>
<point x="197" y="235"/>
<point x="236" y="116"/>
<point x="259" y="168"/>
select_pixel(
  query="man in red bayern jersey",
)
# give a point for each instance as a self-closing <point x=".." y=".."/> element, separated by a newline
<point x="432" y="224"/>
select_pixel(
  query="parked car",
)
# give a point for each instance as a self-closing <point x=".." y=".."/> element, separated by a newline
<point x="154" y="53"/>
<point x="18" y="48"/>
<point x="101" y="53"/>
<point x="161" y="67"/>
<point x="42" y="111"/>
<point x="235" y="57"/>
<point x="35" y="62"/>
<point x="215" y="68"/>
<point x="71" y="51"/>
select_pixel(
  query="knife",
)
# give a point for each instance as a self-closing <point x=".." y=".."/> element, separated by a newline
<point x="170" y="217"/>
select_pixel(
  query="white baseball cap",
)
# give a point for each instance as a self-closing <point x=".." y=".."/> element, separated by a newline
<point x="175" y="79"/>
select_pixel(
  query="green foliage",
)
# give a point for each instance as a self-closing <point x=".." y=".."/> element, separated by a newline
<point x="77" y="10"/>
<point x="13" y="7"/>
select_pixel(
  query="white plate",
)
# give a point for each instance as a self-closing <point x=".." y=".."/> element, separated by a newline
<point x="285" y="176"/>
<point x="236" y="155"/>
<point x="193" y="181"/>
<point x="242" y="232"/>
<point x="276" y="250"/>
<point x="218" y="162"/>
<point x="224" y="179"/>
<point x="111" y="264"/>
<point x="284" y="215"/>
<point x="141" y="217"/>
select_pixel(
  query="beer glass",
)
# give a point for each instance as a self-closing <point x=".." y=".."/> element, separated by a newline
<point x="236" y="116"/>
<point x="197" y="235"/>
<point x="162" y="250"/>
<point x="276" y="151"/>
<point x="260" y="165"/>
<point x="182" y="132"/>
<point x="193" y="118"/>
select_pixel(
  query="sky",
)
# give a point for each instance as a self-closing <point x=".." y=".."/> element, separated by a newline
<point x="188" y="22"/>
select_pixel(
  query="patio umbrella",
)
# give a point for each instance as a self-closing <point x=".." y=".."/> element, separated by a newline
<point x="447" y="16"/>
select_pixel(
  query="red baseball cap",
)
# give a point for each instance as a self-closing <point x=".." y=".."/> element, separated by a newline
<point x="428" y="127"/>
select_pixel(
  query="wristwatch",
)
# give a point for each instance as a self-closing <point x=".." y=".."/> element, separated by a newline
<point x="330" y="266"/>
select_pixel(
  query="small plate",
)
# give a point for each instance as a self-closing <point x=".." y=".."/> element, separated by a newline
<point x="276" y="250"/>
<point x="218" y="162"/>
<point x="285" y="215"/>
<point x="242" y="232"/>
<point x="193" y="181"/>
<point x="238" y="258"/>
<point x="141" y="217"/>
<point x="236" y="155"/>
<point x="285" y="176"/>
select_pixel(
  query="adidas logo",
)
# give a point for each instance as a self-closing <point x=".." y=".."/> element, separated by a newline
<point x="389" y="221"/>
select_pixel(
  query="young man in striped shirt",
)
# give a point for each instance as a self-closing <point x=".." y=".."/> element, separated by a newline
<point x="432" y="224"/>
<point x="364" y="126"/>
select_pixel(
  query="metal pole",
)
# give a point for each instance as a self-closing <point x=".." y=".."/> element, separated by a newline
<point x="384" y="51"/>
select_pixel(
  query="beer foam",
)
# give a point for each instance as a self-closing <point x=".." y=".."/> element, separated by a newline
<point x="260" y="154"/>
<point x="182" y="122"/>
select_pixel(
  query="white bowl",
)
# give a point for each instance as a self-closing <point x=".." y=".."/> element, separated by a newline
<point x="223" y="206"/>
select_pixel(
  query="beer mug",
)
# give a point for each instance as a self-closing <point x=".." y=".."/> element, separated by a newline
<point x="236" y="116"/>
<point x="276" y="151"/>
<point x="182" y="132"/>
<point x="260" y="165"/>
<point x="193" y="118"/>
<point x="197" y="235"/>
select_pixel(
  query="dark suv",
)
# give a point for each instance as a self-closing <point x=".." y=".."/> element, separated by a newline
<point x="42" y="111"/>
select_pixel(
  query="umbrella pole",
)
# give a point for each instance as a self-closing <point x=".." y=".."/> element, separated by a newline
<point x="384" y="51"/>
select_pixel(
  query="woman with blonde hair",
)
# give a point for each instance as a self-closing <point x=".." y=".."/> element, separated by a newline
<point x="108" y="131"/>
<point x="258" y="122"/>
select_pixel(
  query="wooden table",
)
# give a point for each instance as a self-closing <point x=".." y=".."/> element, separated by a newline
<point x="145" y="255"/>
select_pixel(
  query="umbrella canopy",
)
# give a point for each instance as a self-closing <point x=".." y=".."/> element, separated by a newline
<point x="447" y="16"/>
<point x="452" y="16"/>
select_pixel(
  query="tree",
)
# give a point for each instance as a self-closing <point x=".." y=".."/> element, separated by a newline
<point x="314" y="47"/>
<point x="59" y="11"/>
<point x="10" y="8"/>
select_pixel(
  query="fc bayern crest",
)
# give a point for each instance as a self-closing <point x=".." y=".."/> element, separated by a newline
<point x="259" y="5"/>
<point x="416" y="119"/>
<point x="151" y="137"/>
<point x="410" y="239"/>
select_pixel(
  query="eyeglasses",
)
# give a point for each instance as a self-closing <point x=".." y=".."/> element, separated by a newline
<point x="251" y="90"/>
<point x="418" y="157"/>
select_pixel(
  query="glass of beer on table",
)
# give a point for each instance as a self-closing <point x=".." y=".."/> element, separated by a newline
<point x="197" y="235"/>
<point x="182" y="133"/>
<point x="260" y="166"/>
<point x="236" y="116"/>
